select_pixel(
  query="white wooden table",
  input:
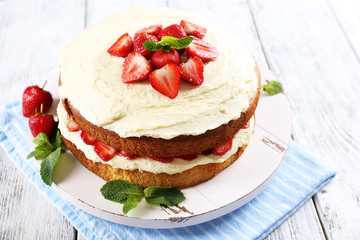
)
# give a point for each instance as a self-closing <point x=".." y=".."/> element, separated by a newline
<point x="313" y="47"/>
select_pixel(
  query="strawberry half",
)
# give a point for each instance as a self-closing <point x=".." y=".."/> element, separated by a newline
<point x="247" y="125"/>
<point x="152" y="30"/>
<point x="192" y="71"/>
<point x="122" y="47"/>
<point x="136" y="67"/>
<point x="222" y="148"/>
<point x="127" y="154"/>
<point x="72" y="126"/>
<point x="162" y="159"/>
<point x="193" y="29"/>
<point x="160" y="58"/>
<point x="89" y="140"/>
<point x="139" y="39"/>
<point x="41" y="123"/>
<point x="104" y="151"/>
<point x="166" y="80"/>
<point x="188" y="157"/>
<point x="33" y="97"/>
<point x="174" y="30"/>
<point x="205" y="51"/>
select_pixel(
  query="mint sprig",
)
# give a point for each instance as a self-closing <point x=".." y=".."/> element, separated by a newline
<point x="131" y="194"/>
<point x="48" y="151"/>
<point x="167" y="43"/>
<point x="272" y="87"/>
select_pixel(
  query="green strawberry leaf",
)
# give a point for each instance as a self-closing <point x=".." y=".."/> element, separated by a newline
<point x="272" y="87"/>
<point x="48" y="165"/>
<point x="164" y="195"/>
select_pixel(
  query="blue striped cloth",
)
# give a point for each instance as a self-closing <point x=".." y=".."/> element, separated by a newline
<point x="299" y="177"/>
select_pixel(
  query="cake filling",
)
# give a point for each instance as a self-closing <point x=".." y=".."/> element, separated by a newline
<point x="123" y="161"/>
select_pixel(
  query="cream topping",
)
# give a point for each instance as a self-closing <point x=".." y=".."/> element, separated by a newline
<point x="146" y="164"/>
<point x="91" y="80"/>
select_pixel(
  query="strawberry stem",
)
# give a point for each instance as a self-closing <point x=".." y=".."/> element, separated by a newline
<point x="44" y="84"/>
<point x="41" y="107"/>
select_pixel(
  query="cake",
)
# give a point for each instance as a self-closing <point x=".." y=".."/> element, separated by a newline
<point x="149" y="138"/>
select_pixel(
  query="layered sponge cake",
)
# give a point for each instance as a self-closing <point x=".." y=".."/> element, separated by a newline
<point x="157" y="118"/>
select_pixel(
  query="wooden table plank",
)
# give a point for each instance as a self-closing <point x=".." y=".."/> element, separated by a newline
<point x="32" y="33"/>
<point x="309" y="53"/>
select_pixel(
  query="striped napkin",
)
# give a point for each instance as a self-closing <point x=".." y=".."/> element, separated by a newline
<point x="299" y="177"/>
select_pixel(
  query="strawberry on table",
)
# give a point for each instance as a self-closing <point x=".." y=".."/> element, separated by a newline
<point x="199" y="48"/>
<point x="104" y="151"/>
<point x="193" y="71"/>
<point x="127" y="154"/>
<point x="160" y="58"/>
<point x="223" y="148"/>
<point x="136" y="67"/>
<point x="152" y="30"/>
<point x="72" y="125"/>
<point x="174" y="30"/>
<point x="162" y="159"/>
<point x="122" y="47"/>
<point x="89" y="140"/>
<point x="139" y="39"/>
<point x="193" y="29"/>
<point x="41" y="123"/>
<point x="33" y="97"/>
<point x="166" y="80"/>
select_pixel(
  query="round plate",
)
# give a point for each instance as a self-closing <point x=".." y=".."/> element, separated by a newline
<point x="229" y="190"/>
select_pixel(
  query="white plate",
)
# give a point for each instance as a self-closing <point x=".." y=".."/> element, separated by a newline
<point x="229" y="190"/>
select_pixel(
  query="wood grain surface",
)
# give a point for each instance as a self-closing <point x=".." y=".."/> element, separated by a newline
<point x="313" y="47"/>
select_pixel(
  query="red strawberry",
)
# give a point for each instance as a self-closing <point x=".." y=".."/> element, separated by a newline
<point x="104" y="151"/>
<point x="41" y="123"/>
<point x="188" y="157"/>
<point x="162" y="159"/>
<point x="152" y="30"/>
<point x="192" y="71"/>
<point x="205" y="51"/>
<point x="136" y="67"/>
<point x="193" y="29"/>
<point x="247" y="125"/>
<point x="161" y="58"/>
<point x="122" y="47"/>
<point x="139" y="39"/>
<point x="174" y="30"/>
<point x="89" y="140"/>
<point x="33" y="97"/>
<point x="207" y="152"/>
<point x="223" y="148"/>
<point x="127" y="154"/>
<point x="72" y="126"/>
<point x="166" y="80"/>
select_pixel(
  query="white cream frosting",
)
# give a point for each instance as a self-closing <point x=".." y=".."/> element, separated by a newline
<point x="146" y="164"/>
<point x="91" y="80"/>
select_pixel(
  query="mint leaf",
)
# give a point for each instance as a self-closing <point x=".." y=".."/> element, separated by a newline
<point x="131" y="202"/>
<point x="43" y="140"/>
<point x="58" y="140"/>
<point x="48" y="165"/>
<point x="167" y="43"/>
<point x="272" y="87"/>
<point x="164" y="195"/>
<point x="43" y="148"/>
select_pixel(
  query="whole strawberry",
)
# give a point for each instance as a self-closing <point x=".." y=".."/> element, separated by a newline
<point x="33" y="97"/>
<point x="41" y="123"/>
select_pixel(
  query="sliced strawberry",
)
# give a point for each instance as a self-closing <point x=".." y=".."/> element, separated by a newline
<point x="72" y="126"/>
<point x="161" y="58"/>
<point x="166" y="80"/>
<point x="152" y="30"/>
<point x="89" y="140"/>
<point x="207" y="152"/>
<point x="104" y="151"/>
<point x="162" y="159"/>
<point x="192" y="71"/>
<point x="33" y="97"/>
<point x="41" y="123"/>
<point x="127" y="154"/>
<point x="122" y="47"/>
<point x="139" y="39"/>
<point x="193" y="29"/>
<point x="223" y="148"/>
<point x="174" y="30"/>
<point x="136" y="67"/>
<point x="205" y="51"/>
<point x="247" y="125"/>
<point x="188" y="157"/>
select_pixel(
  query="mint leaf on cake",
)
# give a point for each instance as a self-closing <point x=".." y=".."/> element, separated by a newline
<point x="168" y="42"/>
